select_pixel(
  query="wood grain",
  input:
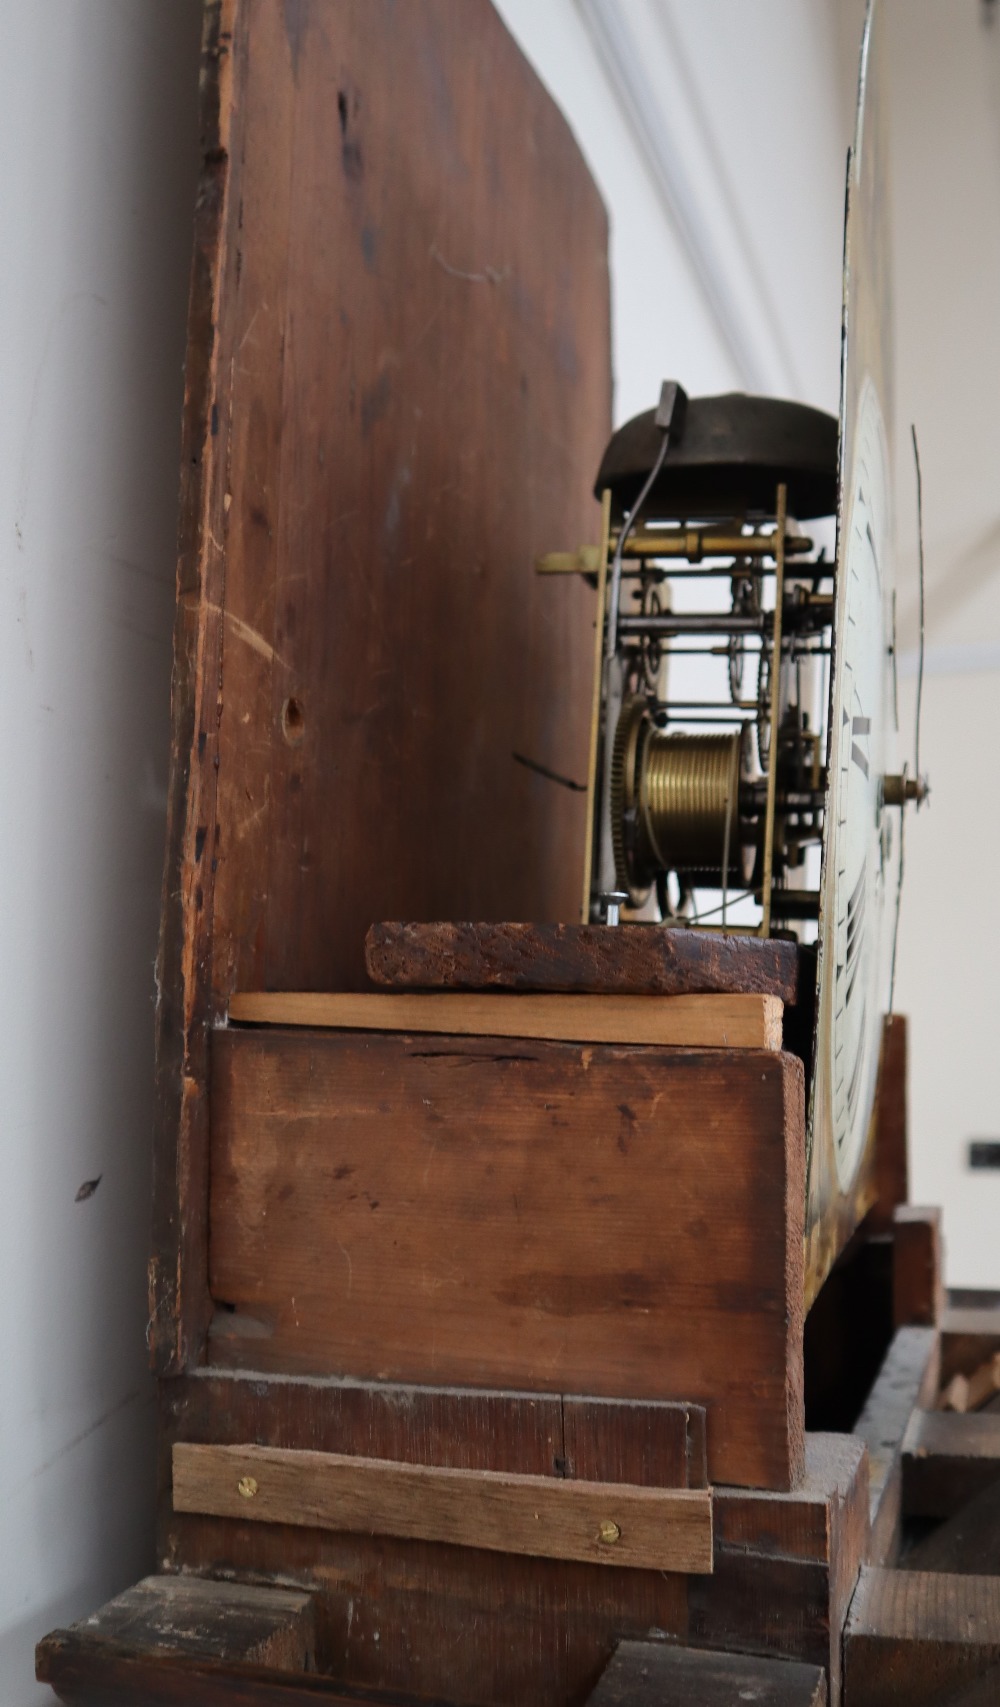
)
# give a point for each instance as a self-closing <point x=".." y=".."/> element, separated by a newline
<point x="687" y="1022"/>
<point x="919" y="1637"/>
<point x="601" y="960"/>
<point x="655" y="1674"/>
<point x="394" y="401"/>
<point x="535" y="1215"/>
<point x="434" y="1607"/>
<point x="193" y="1615"/>
<point x="907" y="1381"/>
<point x="612" y="1524"/>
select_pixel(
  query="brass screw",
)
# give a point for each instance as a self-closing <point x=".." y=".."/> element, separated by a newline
<point x="609" y="1532"/>
<point x="246" y="1486"/>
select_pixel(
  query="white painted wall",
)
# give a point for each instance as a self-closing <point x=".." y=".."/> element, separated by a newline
<point x="98" y="145"/>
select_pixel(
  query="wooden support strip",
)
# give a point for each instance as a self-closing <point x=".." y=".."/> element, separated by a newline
<point x="947" y="1460"/>
<point x="907" y="1381"/>
<point x="601" y="1523"/>
<point x="919" y="1638"/>
<point x="690" y="1022"/>
<point x="660" y="1674"/>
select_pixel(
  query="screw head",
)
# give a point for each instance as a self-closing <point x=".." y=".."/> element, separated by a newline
<point x="609" y="1532"/>
<point x="247" y="1486"/>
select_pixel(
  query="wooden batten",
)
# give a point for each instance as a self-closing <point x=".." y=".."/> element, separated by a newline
<point x="685" y="1022"/>
<point x="660" y="1529"/>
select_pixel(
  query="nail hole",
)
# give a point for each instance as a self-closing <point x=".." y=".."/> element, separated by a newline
<point x="293" y="721"/>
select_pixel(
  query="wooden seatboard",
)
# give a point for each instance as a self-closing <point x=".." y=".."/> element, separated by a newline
<point x="435" y="1608"/>
<point x="532" y="1215"/>
<point x="601" y="1523"/>
<point x="600" y="959"/>
<point x="686" y="1022"/>
<point x="394" y="402"/>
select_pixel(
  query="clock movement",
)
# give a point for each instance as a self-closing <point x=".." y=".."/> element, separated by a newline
<point x="744" y="771"/>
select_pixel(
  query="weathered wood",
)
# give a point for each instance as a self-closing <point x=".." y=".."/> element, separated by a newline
<point x="632" y="1440"/>
<point x="88" y="1672"/>
<point x="652" y="1443"/>
<point x="785" y="1564"/>
<point x="907" y="1381"/>
<point x="918" y="1637"/>
<point x="604" y="960"/>
<point x="968" y="1543"/>
<point x="217" y="1620"/>
<point x="947" y="1460"/>
<point x="687" y="1022"/>
<point x="394" y="402"/>
<point x="891" y="1162"/>
<point x="917" y="1285"/>
<point x="612" y="1524"/>
<point x="538" y="1215"/>
<point x="655" y="1674"/>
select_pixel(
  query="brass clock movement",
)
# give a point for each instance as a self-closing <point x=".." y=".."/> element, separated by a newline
<point x="743" y="771"/>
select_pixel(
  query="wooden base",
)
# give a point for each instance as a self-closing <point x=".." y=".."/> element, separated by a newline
<point x="529" y="1215"/>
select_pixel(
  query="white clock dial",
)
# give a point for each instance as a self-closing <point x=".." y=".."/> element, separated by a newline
<point x="861" y="743"/>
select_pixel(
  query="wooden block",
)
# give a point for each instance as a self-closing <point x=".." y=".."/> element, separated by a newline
<point x="89" y="1672"/>
<point x="968" y="1337"/>
<point x="785" y="1563"/>
<point x="602" y="960"/>
<point x="917" y="1287"/>
<point x="601" y="1523"/>
<point x="891" y="1163"/>
<point x="691" y="1022"/>
<point x="655" y="1674"/>
<point x="542" y="1216"/>
<point x="947" y="1460"/>
<point x="918" y="1637"/>
<point x="907" y="1381"/>
<point x="967" y="1543"/>
<point x="972" y="1392"/>
<point x="216" y="1620"/>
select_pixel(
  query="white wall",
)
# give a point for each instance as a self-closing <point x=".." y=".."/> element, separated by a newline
<point x="98" y="144"/>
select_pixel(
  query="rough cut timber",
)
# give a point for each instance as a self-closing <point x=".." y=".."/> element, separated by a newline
<point x="891" y="1163"/>
<point x="215" y="1620"/>
<point x="398" y="390"/>
<point x="686" y="1022"/>
<point x="917" y="1284"/>
<point x="655" y="1674"/>
<point x="947" y="1460"/>
<point x="919" y="1638"/>
<point x="785" y="1565"/>
<point x="519" y="1214"/>
<point x="599" y="959"/>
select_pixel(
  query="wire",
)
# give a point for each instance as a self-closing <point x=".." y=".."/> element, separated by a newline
<point x="696" y="918"/>
<point x="623" y="533"/>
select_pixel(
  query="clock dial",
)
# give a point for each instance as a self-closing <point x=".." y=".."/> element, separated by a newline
<point x="861" y="738"/>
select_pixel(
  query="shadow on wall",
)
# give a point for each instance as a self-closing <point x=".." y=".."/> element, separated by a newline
<point x="99" y="143"/>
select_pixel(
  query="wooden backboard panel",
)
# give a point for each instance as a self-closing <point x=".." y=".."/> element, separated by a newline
<point x="416" y="304"/>
<point x="398" y="392"/>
